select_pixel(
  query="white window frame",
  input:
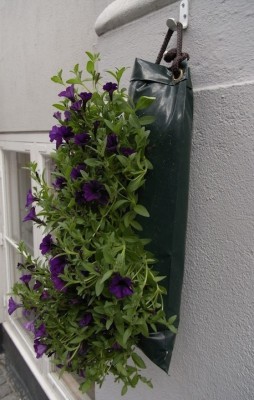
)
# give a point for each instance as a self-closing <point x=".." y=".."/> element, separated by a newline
<point x="38" y="146"/>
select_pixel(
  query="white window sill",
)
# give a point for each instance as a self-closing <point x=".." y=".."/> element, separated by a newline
<point x="121" y="12"/>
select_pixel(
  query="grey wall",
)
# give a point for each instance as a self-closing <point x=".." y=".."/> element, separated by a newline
<point x="213" y="356"/>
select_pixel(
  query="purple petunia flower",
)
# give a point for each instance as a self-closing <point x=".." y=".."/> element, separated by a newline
<point x="45" y="295"/>
<point x="86" y="320"/>
<point x="95" y="191"/>
<point x="120" y="286"/>
<point x="57" y="265"/>
<point x="127" y="151"/>
<point x="81" y="139"/>
<point x="12" y="306"/>
<point x="67" y="116"/>
<point x="30" y="198"/>
<point x="76" y="171"/>
<point x="96" y="125"/>
<point x="110" y="88"/>
<point x="56" y="135"/>
<point x="59" y="183"/>
<point x="112" y="142"/>
<point x="37" y="285"/>
<point x="66" y="132"/>
<point x="58" y="283"/>
<point x="40" y="332"/>
<point x="29" y="326"/>
<point x="31" y="216"/>
<point x="68" y="93"/>
<point x="60" y="133"/>
<point x="85" y="96"/>
<point x="76" y="106"/>
<point x="79" y="197"/>
<point x="26" y="278"/>
<point x="46" y="244"/>
<point x="39" y="348"/>
<point x="116" y="346"/>
<point x="57" y="115"/>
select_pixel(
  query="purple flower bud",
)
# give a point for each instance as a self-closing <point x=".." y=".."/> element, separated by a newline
<point x="12" y="306"/>
<point x="57" y="115"/>
<point x="46" y="244"/>
<point x="76" y="106"/>
<point x="67" y="115"/>
<point x="37" y="285"/>
<point x="40" y="332"/>
<point x="127" y="151"/>
<point x="86" y="320"/>
<point x="39" y="348"/>
<point x="110" y="88"/>
<point x="76" y="171"/>
<point x="29" y="326"/>
<point x="68" y="93"/>
<point x="45" y="295"/>
<point x="96" y="125"/>
<point x="30" y="198"/>
<point x="95" y="191"/>
<point x="79" y="197"/>
<point x="120" y="286"/>
<point x="85" y="96"/>
<point x="116" y="346"/>
<point x="31" y="216"/>
<point x="26" y="278"/>
<point x="81" y="139"/>
<point x="59" y="183"/>
<point x="112" y="142"/>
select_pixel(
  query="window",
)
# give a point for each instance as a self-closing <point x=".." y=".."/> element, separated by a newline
<point x="16" y="151"/>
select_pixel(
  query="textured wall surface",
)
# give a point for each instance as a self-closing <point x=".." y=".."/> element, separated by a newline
<point x="36" y="40"/>
<point x="213" y="355"/>
<point x="214" y="351"/>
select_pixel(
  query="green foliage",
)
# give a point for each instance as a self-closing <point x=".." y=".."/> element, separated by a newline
<point x="98" y="240"/>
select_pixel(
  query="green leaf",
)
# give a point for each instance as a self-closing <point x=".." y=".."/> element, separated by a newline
<point x="109" y="125"/>
<point x="90" y="67"/>
<point x="106" y="276"/>
<point x="59" y="107"/>
<point x="134" y="121"/>
<point x="92" y="162"/>
<point x="99" y="287"/>
<point x="141" y="210"/>
<point x="124" y="390"/>
<point x="136" y="183"/>
<point x="74" y="81"/>
<point x="84" y="387"/>
<point x="126" y="335"/>
<point x="144" y="102"/>
<point x="146" y="120"/>
<point x="138" y="360"/>
<point x="172" y="319"/>
<point x="173" y="329"/>
<point x="118" y="204"/>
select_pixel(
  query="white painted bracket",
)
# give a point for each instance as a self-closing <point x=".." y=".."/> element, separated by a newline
<point x="183" y="16"/>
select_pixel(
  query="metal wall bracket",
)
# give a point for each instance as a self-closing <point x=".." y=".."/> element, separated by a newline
<point x="183" y="16"/>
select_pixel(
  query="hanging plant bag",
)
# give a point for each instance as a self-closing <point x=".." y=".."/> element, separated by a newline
<point x="165" y="194"/>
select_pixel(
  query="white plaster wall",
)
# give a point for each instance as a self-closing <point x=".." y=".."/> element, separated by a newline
<point x="37" y="38"/>
<point x="213" y="355"/>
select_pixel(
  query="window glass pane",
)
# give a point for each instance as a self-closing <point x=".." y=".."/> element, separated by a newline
<point x="49" y="167"/>
<point x="18" y="183"/>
